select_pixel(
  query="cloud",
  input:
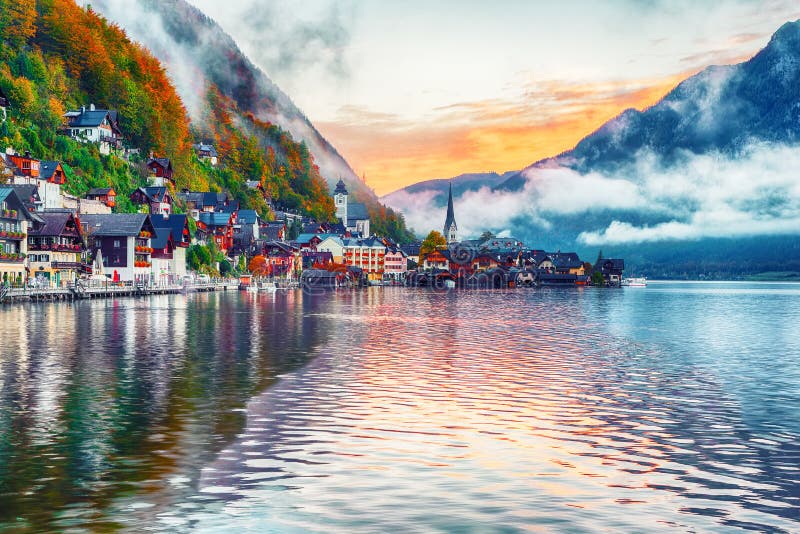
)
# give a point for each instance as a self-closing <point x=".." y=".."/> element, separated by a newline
<point x="542" y="119"/>
<point x="280" y="41"/>
<point x="711" y="195"/>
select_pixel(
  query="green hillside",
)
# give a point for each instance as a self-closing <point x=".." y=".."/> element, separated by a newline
<point x="57" y="56"/>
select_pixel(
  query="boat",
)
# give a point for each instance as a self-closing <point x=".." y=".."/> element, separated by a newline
<point x="634" y="282"/>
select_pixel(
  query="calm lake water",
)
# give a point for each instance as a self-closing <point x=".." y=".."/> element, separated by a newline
<point x="674" y="407"/>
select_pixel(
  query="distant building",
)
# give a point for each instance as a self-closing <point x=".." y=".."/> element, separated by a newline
<point x="450" y="231"/>
<point x="206" y="152"/>
<point x="5" y="104"/>
<point x="97" y="126"/>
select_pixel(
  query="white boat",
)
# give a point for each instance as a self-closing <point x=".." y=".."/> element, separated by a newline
<point x="634" y="282"/>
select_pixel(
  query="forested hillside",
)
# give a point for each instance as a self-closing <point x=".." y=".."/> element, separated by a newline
<point x="57" y="56"/>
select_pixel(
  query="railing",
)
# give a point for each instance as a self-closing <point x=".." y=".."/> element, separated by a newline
<point x="55" y="247"/>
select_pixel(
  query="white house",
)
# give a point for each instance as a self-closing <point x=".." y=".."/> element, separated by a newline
<point x="98" y="126"/>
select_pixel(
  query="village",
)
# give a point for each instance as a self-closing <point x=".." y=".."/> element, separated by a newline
<point x="51" y="239"/>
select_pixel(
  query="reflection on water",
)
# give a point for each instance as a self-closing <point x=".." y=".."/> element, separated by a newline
<point x="672" y="406"/>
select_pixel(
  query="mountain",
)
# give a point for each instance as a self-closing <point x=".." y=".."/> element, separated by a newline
<point x="58" y="56"/>
<point x="703" y="184"/>
<point x="723" y="109"/>
<point x="438" y="188"/>
<point x="201" y="58"/>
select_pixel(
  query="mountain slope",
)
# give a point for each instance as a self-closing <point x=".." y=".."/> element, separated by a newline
<point x="721" y="109"/>
<point x="438" y="188"/>
<point x="199" y="55"/>
<point x="706" y="182"/>
<point x="58" y="56"/>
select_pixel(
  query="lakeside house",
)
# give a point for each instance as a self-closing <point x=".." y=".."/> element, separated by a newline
<point x="14" y="221"/>
<point x="366" y="254"/>
<point x="123" y="241"/>
<point x="96" y="126"/>
<point x="56" y="248"/>
<point x="172" y="239"/>
<point x="395" y="264"/>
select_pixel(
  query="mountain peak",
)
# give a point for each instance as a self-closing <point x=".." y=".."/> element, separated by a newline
<point x="787" y="36"/>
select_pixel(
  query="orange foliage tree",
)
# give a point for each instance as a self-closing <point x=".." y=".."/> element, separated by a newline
<point x="258" y="266"/>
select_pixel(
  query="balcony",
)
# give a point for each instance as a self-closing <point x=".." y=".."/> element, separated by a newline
<point x="17" y="236"/>
<point x="71" y="266"/>
<point x="55" y="247"/>
<point x="12" y="257"/>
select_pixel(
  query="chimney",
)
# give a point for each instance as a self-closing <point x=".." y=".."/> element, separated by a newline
<point x="91" y="107"/>
<point x="83" y="109"/>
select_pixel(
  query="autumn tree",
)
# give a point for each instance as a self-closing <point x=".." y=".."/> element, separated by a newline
<point x="258" y="266"/>
<point x="432" y="242"/>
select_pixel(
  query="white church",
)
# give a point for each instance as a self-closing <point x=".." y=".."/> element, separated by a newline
<point x="354" y="215"/>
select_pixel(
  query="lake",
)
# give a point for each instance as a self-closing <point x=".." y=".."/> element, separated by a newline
<point x="674" y="407"/>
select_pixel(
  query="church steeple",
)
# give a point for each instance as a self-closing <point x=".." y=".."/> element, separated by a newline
<point x="450" y="227"/>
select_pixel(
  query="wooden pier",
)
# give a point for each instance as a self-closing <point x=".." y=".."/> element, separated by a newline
<point x="83" y="290"/>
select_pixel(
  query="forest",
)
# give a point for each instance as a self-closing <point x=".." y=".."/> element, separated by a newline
<point x="57" y="56"/>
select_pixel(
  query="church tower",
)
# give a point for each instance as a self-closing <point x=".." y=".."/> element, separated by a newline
<point x="450" y="229"/>
<point x="340" y="200"/>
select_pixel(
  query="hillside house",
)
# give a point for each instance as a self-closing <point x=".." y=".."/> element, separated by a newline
<point x="27" y="170"/>
<point x="273" y="231"/>
<point x="219" y="227"/>
<point x="334" y="245"/>
<point x="52" y="172"/>
<point x="161" y="174"/>
<point x="124" y="242"/>
<point x="206" y="152"/>
<point x="106" y="195"/>
<point x="156" y="199"/>
<point x="5" y="105"/>
<point x="29" y="195"/>
<point x="97" y="126"/>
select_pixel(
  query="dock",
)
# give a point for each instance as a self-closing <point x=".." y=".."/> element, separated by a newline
<point x="84" y="290"/>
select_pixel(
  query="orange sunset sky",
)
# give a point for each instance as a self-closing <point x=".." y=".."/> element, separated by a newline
<point x="416" y="90"/>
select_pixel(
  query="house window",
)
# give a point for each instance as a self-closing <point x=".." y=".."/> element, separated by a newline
<point x="116" y="243"/>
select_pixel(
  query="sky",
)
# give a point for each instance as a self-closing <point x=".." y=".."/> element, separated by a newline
<point x="416" y="90"/>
